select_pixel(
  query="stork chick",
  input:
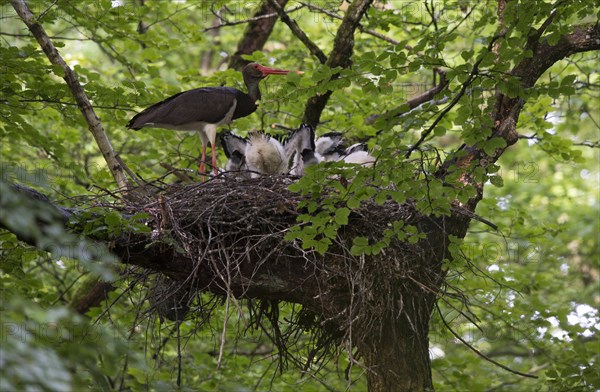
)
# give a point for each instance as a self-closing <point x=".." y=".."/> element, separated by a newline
<point x="300" y="149"/>
<point x="330" y="147"/>
<point x="235" y="150"/>
<point x="357" y="153"/>
<point x="265" y="155"/>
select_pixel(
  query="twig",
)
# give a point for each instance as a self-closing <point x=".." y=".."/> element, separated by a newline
<point x="281" y="126"/>
<point x="463" y="19"/>
<point x="116" y="107"/>
<point x="463" y="90"/>
<point x="297" y="31"/>
<point x="586" y="143"/>
<point x="223" y="332"/>
<point x="536" y="34"/>
<point x="253" y="19"/>
<point x="482" y="355"/>
<point x="94" y="125"/>
<point x="179" y="173"/>
<point x="54" y="37"/>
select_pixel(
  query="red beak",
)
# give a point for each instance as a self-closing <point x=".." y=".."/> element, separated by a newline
<point x="274" y="71"/>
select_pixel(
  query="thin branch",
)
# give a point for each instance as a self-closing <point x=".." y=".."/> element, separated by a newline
<point x="115" y="107"/>
<point x="297" y="31"/>
<point x="466" y="17"/>
<point x="431" y="13"/>
<point x="54" y="37"/>
<point x="474" y="72"/>
<point x="361" y="28"/>
<point x="168" y="17"/>
<point x="536" y="34"/>
<point x="416" y="101"/>
<point x="586" y="143"/>
<point x="253" y="19"/>
<point x="479" y="353"/>
<point x="94" y="125"/>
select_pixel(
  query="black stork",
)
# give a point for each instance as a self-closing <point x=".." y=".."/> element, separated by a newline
<point x="204" y="109"/>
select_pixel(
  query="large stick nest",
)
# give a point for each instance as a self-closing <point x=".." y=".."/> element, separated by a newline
<point x="229" y="234"/>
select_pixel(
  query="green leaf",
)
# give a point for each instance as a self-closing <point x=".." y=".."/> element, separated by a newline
<point x="439" y="130"/>
<point x="353" y="202"/>
<point x="490" y="146"/>
<point x="496" y="181"/>
<point x="360" y="241"/>
<point x="341" y="216"/>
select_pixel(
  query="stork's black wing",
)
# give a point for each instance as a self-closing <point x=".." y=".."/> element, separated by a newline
<point x="300" y="139"/>
<point x="233" y="144"/>
<point x="206" y="104"/>
<point x="356" y="147"/>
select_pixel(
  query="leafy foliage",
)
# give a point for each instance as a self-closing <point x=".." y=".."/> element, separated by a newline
<point x="525" y="295"/>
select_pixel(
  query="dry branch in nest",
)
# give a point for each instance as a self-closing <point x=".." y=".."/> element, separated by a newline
<point x="228" y="237"/>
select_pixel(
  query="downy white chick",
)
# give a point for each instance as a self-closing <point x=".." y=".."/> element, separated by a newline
<point x="265" y="155"/>
<point x="357" y="153"/>
<point x="330" y="147"/>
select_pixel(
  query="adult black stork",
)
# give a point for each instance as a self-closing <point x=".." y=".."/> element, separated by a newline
<point x="204" y="109"/>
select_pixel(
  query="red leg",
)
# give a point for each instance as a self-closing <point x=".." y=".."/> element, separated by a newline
<point x="201" y="168"/>
<point x="214" y="160"/>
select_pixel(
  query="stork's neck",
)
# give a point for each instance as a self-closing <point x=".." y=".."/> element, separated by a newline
<point x="253" y="90"/>
<point x="252" y="86"/>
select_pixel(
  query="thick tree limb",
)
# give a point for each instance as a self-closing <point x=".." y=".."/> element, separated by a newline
<point x="94" y="125"/>
<point x="256" y="34"/>
<point x="227" y="238"/>
<point x="91" y="295"/>
<point x="582" y="39"/>
<point x="506" y="113"/>
<point x="340" y="56"/>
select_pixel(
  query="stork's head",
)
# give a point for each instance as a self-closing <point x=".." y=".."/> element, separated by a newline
<point x="254" y="71"/>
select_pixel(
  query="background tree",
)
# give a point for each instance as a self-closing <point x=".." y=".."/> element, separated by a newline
<point x="360" y="277"/>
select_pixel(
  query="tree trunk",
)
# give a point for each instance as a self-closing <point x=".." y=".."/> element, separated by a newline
<point x="397" y="358"/>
